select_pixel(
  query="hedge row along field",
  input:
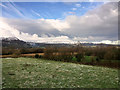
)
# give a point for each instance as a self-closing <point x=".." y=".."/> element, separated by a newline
<point x="38" y="73"/>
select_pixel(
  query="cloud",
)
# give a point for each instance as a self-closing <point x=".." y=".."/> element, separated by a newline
<point x="77" y="5"/>
<point x="71" y="12"/>
<point x="36" y="13"/>
<point x="100" y="22"/>
<point x="89" y="38"/>
<point x="74" y="9"/>
<point x="10" y="7"/>
<point x="83" y="7"/>
<point x="109" y="42"/>
<point x="9" y="31"/>
<point x="91" y="0"/>
<point x="39" y="26"/>
<point x="3" y="5"/>
<point x="97" y="25"/>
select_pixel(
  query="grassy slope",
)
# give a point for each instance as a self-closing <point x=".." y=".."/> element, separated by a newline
<point x="30" y="72"/>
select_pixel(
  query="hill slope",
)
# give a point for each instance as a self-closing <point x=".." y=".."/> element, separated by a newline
<point x="13" y="42"/>
<point x="37" y="73"/>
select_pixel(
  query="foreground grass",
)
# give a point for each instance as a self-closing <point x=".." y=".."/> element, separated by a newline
<point x="37" y="73"/>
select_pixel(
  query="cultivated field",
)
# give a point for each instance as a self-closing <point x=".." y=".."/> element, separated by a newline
<point x="22" y="55"/>
<point x="34" y="73"/>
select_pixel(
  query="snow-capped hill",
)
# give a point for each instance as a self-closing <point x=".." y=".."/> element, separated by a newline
<point x="14" y="42"/>
<point x="9" y="38"/>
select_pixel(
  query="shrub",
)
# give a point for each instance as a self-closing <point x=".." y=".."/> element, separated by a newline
<point x="110" y="56"/>
<point x="40" y="56"/>
<point x="79" y="57"/>
<point x="97" y="59"/>
<point x="7" y="51"/>
<point x="74" y="58"/>
<point x="16" y="54"/>
<point x="36" y="56"/>
<point x="93" y="59"/>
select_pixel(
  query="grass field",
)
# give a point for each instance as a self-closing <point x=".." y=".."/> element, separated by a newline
<point x="37" y="73"/>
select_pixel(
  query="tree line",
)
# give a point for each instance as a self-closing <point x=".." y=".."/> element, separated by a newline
<point x="67" y="53"/>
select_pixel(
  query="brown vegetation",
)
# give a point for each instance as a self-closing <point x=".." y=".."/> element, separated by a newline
<point x="10" y="51"/>
<point x="21" y="55"/>
<point x="75" y="54"/>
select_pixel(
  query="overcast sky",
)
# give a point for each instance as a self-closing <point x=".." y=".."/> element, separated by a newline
<point x="60" y="22"/>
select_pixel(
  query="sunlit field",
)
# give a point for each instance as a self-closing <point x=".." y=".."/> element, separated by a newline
<point x="38" y="73"/>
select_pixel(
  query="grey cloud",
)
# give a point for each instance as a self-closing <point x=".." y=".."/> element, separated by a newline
<point x="100" y="22"/>
<point x="96" y="25"/>
<point x="38" y="27"/>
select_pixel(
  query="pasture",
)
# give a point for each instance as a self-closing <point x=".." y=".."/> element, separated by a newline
<point x="39" y="73"/>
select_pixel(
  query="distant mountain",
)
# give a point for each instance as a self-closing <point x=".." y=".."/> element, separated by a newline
<point x="13" y="42"/>
<point x="48" y="44"/>
<point x="9" y="39"/>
